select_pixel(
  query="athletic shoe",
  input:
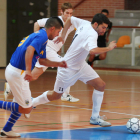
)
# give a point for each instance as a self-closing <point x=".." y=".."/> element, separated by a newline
<point x="69" y="98"/>
<point x="7" y="91"/>
<point x="10" y="134"/>
<point x="99" y="121"/>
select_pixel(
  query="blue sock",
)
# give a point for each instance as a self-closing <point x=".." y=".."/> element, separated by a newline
<point x="9" y="106"/>
<point x="11" y="121"/>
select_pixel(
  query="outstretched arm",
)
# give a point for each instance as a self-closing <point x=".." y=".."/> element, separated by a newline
<point x="66" y="27"/>
<point x="98" y="50"/>
<point x="48" y="63"/>
<point x="36" y="27"/>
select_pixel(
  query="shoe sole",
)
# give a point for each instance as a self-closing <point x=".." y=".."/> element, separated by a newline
<point x="101" y="125"/>
<point x="69" y="101"/>
<point x="9" y="136"/>
<point x="26" y="116"/>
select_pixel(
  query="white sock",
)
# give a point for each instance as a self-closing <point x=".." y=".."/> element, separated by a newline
<point x="67" y="91"/>
<point x="42" y="99"/>
<point x="97" y="99"/>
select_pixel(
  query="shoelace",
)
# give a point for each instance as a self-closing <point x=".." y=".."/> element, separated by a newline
<point x="103" y="117"/>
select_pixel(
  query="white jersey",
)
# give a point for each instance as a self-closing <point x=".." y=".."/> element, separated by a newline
<point x="84" y="40"/>
<point x="56" y="47"/>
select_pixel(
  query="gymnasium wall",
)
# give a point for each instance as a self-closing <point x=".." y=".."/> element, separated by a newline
<point x="3" y="33"/>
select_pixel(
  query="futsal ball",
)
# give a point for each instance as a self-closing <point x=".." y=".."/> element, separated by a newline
<point x="133" y="125"/>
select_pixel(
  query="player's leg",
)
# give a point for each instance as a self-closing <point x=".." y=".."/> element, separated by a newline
<point x="59" y="87"/>
<point x="92" y="78"/>
<point x="36" y="72"/>
<point x="48" y="96"/>
<point x="100" y="57"/>
<point x="53" y="56"/>
<point x="7" y="91"/>
<point x="22" y="102"/>
<point x="90" y="60"/>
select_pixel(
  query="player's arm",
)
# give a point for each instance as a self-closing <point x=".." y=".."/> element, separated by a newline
<point x="66" y="27"/>
<point x="28" y="62"/>
<point x="39" y="23"/>
<point x="48" y="63"/>
<point x="36" y="27"/>
<point x="98" y="50"/>
<point x="36" y="72"/>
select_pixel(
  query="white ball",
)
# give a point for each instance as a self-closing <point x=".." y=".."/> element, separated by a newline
<point x="133" y="125"/>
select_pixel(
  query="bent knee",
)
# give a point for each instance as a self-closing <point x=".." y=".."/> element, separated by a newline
<point x="25" y="110"/>
<point x="101" y="86"/>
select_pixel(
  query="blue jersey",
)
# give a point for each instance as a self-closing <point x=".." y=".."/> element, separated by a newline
<point x="38" y="40"/>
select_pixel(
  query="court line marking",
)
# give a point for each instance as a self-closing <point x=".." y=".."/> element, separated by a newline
<point x="91" y="109"/>
<point x="92" y="90"/>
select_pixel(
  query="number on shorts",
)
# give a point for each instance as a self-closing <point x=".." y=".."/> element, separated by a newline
<point x="60" y="89"/>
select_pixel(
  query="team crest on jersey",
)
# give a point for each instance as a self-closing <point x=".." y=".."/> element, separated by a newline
<point x="27" y="102"/>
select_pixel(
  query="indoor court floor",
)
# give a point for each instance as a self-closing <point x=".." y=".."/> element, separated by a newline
<point x="70" y="121"/>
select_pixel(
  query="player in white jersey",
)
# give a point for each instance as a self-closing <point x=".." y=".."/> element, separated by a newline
<point x="51" y="50"/>
<point x="84" y="42"/>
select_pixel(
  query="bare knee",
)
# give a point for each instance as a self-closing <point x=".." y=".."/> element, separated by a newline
<point x="25" y="110"/>
<point x="97" y="83"/>
<point x="101" y="86"/>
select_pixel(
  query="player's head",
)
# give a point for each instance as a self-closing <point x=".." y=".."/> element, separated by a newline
<point x="53" y="27"/>
<point x="100" y="23"/>
<point x="105" y="12"/>
<point x="66" y="10"/>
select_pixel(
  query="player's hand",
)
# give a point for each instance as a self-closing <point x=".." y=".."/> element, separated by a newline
<point x="59" y="39"/>
<point x="112" y="45"/>
<point x="63" y="64"/>
<point x="28" y="76"/>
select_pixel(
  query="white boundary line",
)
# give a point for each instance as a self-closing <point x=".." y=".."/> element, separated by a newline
<point x="91" y="109"/>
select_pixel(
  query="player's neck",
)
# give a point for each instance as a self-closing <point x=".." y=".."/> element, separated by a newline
<point x="63" y="18"/>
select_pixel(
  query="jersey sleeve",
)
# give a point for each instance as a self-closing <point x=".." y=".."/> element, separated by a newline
<point x="91" y="42"/>
<point x="76" y="22"/>
<point x="37" y="44"/>
<point x="42" y="22"/>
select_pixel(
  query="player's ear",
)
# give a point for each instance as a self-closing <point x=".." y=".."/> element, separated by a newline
<point x="52" y="28"/>
<point x="95" y="24"/>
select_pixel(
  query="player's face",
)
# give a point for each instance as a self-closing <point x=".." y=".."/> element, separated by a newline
<point x="101" y="29"/>
<point x="67" y="13"/>
<point x="55" y="32"/>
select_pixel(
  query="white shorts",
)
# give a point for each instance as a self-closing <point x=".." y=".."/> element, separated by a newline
<point x="19" y="87"/>
<point x="68" y="77"/>
<point x="51" y="55"/>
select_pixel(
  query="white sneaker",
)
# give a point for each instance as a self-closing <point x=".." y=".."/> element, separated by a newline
<point x="99" y="121"/>
<point x="7" y="91"/>
<point x="10" y="134"/>
<point x="69" y="98"/>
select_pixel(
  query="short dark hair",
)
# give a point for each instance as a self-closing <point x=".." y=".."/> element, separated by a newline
<point x="100" y="19"/>
<point x="54" y="21"/>
<point x="65" y="6"/>
<point x="105" y="11"/>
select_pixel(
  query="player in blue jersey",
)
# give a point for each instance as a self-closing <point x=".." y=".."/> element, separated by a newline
<point x="18" y="72"/>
